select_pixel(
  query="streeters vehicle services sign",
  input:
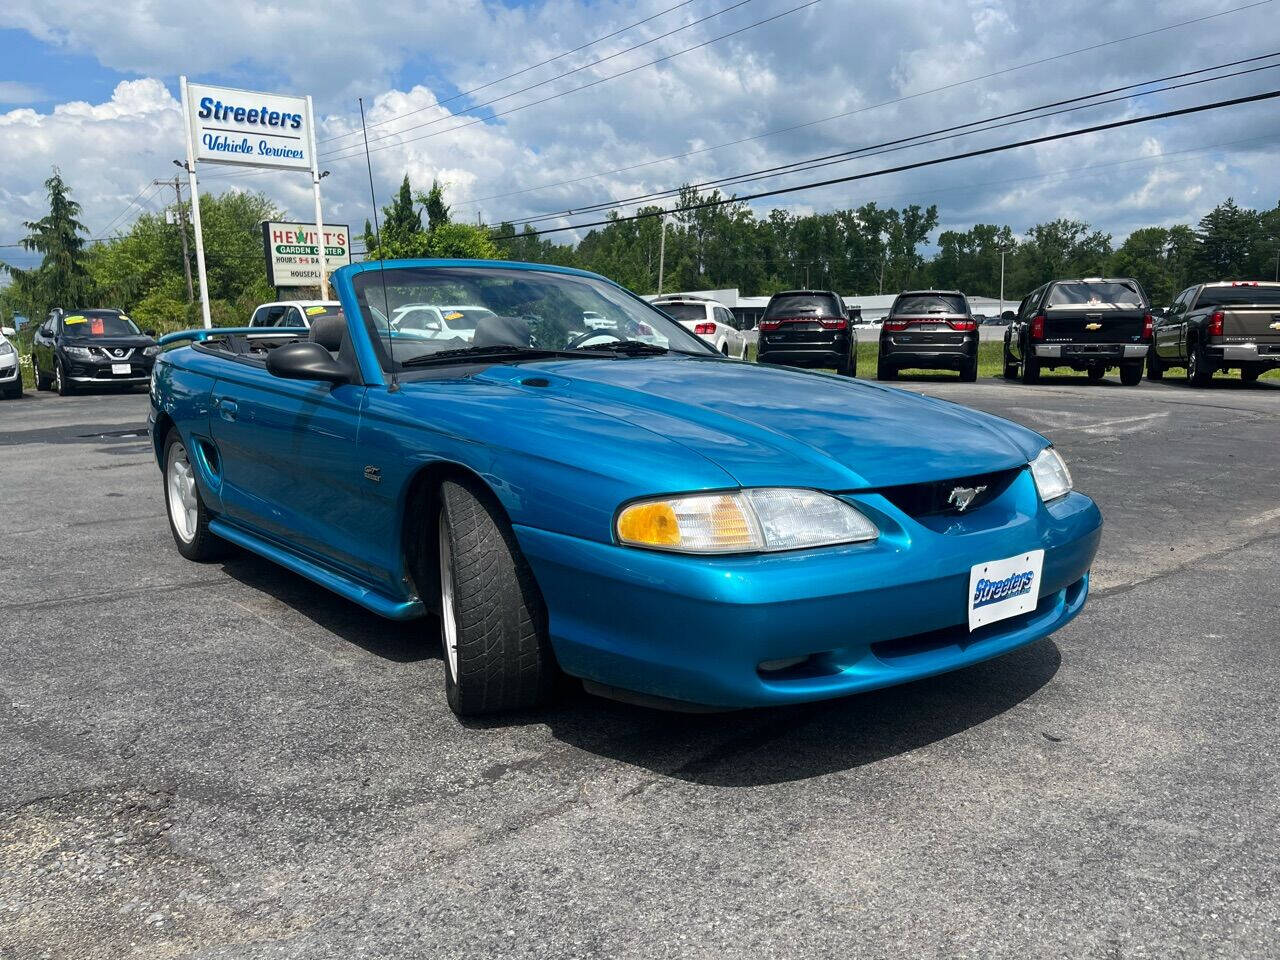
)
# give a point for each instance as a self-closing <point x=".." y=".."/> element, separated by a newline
<point x="293" y="257"/>
<point x="255" y="129"/>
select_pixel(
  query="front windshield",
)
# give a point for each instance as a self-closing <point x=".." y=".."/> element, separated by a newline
<point x="419" y="311"/>
<point x="98" y="323"/>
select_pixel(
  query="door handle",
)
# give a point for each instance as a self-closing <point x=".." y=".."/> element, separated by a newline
<point x="227" y="409"/>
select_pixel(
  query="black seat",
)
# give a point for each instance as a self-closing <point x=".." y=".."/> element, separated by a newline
<point x="329" y="331"/>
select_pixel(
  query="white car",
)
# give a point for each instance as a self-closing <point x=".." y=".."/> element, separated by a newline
<point x="597" y="321"/>
<point x="433" y="322"/>
<point x="710" y="320"/>
<point x="10" y="367"/>
<point x="294" y="313"/>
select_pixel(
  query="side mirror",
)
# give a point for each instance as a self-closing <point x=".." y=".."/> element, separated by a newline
<point x="305" y="360"/>
<point x="1008" y="316"/>
<point x="149" y="333"/>
<point x="8" y="331"/>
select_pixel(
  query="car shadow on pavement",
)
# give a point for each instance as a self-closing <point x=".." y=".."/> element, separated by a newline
<point x="784" y="744"/>
<point x="394" y="640"/>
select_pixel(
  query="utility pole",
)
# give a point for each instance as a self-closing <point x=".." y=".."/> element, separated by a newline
<point x="662" y="249"/>
<point x="176" y="183"/>
<point x="1003" y="251"/>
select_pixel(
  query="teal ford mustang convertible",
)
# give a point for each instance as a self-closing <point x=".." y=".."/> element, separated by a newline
<point x="576" y="485"/>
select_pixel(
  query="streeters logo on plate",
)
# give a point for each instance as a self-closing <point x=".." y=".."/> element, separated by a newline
<point x="1005" y="588"/>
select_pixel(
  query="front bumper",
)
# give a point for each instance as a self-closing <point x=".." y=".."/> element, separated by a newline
<point x="1089" y="352"/>
<point x="697" y="629"/>
<point x="101" y="374"/>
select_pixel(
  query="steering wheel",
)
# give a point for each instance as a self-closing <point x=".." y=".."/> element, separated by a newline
<point x="583" y="339"/>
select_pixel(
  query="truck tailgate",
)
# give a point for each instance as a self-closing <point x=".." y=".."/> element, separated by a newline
<point x="1093" y="325"/>
<point x="1259" y="324"/>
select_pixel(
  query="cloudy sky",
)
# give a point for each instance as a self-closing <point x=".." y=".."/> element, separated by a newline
<point x="92" y="88"/>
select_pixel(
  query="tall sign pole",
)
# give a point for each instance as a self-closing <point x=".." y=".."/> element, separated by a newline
<point x="316" y="177"/>
<point x="195" y="207"/>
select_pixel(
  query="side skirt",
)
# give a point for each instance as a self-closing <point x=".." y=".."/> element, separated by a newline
<point x="326" y="577"/>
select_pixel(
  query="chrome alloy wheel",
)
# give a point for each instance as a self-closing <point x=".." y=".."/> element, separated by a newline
<point x="180" y="481"/>
<point x="448" y="617"/>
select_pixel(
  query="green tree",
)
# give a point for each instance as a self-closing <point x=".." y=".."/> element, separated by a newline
<point x="433" y="202"/>
<point x="1232" y="242"/>
<point x="62" y="279"/>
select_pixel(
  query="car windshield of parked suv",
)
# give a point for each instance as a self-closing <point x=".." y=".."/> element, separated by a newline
<point x="514" y="311"/>
<point x="683" y="311"/>
<point x="98" y="323"/>
<point x="1242" y="294"/>
<point x="925" y="303"/>
<point x="802" y="305"/>
<point x="1094" y="293"/>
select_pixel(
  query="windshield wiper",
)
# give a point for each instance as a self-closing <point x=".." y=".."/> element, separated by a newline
<point x="498" y="351"/>
<point x="632" y="348"/>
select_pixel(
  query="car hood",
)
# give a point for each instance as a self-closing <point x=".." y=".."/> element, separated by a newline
<point x="778" y="426"/>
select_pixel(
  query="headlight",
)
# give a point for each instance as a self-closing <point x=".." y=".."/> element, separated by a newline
<point x="1051" y="475"/>
<point x="151" y="351"/>
<point x="6" y="348"/>
<point x="80" y="353"/>
<point x="745" y="521"/>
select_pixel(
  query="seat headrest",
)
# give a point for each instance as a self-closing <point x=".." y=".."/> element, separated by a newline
<point x="501" y="331"/>
<point x="329" y="331"/>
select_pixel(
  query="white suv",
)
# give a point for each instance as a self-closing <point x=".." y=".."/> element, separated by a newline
<point x="294" y="313"/>
<point x="710" y="320"/>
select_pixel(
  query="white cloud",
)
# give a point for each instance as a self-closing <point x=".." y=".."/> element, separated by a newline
<point x="15" y="91"/>
<point x="837" y="57"/>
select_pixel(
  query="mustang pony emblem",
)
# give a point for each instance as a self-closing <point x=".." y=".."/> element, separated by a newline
<point x="961" y="497"/>
<point x="1093" y="326"/>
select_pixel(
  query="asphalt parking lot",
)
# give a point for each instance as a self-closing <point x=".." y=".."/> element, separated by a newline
<point x="228" y="762"/>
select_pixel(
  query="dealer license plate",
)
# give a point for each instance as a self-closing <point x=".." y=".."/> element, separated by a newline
<point x="1000" y="589"/>
<point x="118" y="368"/>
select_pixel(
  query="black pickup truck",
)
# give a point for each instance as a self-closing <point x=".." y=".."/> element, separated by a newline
<point x="1094" y="324"/>
<point x="1219" y="326"/>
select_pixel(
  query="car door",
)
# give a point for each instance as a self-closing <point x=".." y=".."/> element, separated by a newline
<point x="291" y="464"/>
<point x="1167" y="334"/>
<point x="42" y="346"/>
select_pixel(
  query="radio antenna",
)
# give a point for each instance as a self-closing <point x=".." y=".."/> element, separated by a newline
<point x="377" y="238"/>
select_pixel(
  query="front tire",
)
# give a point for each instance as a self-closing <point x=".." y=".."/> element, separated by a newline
<point x="188" y="516"/>
<point x="61" y="382"/>
<point x="493" y="621"/>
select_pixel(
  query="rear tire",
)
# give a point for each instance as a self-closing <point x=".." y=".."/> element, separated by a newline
<point x="1155" y="366"/>
<point x="1130" y="374"/>
<point x="850" y="366"/>
<point x="969" y="371"/>
<point x="1030" y="369"/>
<point x="42" y="382"/>
<point x="493" y="620"/>
<point x="885" y="371"/>
<point x="1199" y="372"/>
<point x="184" y="505"/>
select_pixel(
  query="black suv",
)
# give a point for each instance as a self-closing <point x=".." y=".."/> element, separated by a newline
<point x="934" y="329"/>
<point x="1093" y="324"/>
<point x="83" y="348"/>
<point x="808" y="328"/>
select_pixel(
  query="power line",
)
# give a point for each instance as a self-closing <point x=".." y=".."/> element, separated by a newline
<point x="935" y="136"/>
<point x="810" y="123"/>
<point x="544" y="62"/>
<point x="874" y="106"/>
<point x="593" y="83"/>
<point x="796" y="188"/>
